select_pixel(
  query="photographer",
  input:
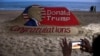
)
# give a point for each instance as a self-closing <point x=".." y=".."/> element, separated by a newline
<point x="85" y="46"/>
<point x="95" y="49"/>
<point x="66" y="48"/>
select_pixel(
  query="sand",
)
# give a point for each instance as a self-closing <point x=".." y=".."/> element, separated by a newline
<point x="41" y="45"/>
<point x="6" y="15"/>
<point x="84" y="17"/>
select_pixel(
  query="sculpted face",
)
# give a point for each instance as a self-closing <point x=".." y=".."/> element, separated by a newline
<point x="35" y="12"/>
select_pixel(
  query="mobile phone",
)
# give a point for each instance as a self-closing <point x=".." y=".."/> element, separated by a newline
<point x="76" y="44"/>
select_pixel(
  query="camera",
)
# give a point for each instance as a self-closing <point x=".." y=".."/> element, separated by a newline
<point x="76" y="44"/>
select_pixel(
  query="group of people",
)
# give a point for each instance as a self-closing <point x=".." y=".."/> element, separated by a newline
<point x="93" y="9"/>
<point x="85" y="46"/>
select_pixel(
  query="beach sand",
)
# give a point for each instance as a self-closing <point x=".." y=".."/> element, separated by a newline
<point x="6" y="15"/>
<point x="41" y="45"/>
<point x="86" y="17"/>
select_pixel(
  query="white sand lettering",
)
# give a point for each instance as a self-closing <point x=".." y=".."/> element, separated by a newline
<point x="61" y="12"/>
<point x="58" y="18"/>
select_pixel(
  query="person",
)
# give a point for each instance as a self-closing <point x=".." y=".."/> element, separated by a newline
<point x="85" y="46"/>
<point x="95" y="48"/>
<point x="93" y="9"/>
<point x="66" y="48"/>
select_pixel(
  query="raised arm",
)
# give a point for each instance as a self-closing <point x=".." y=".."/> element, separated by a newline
<point x="66" y="48"/>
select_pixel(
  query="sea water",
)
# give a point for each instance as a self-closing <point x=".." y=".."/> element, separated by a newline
<point x="74" y="6"/>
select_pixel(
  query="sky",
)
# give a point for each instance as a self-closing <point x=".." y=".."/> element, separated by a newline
<point x="54" y="0"/>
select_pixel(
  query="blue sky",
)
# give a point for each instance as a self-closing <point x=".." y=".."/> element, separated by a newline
<point x="56" y="0"/>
